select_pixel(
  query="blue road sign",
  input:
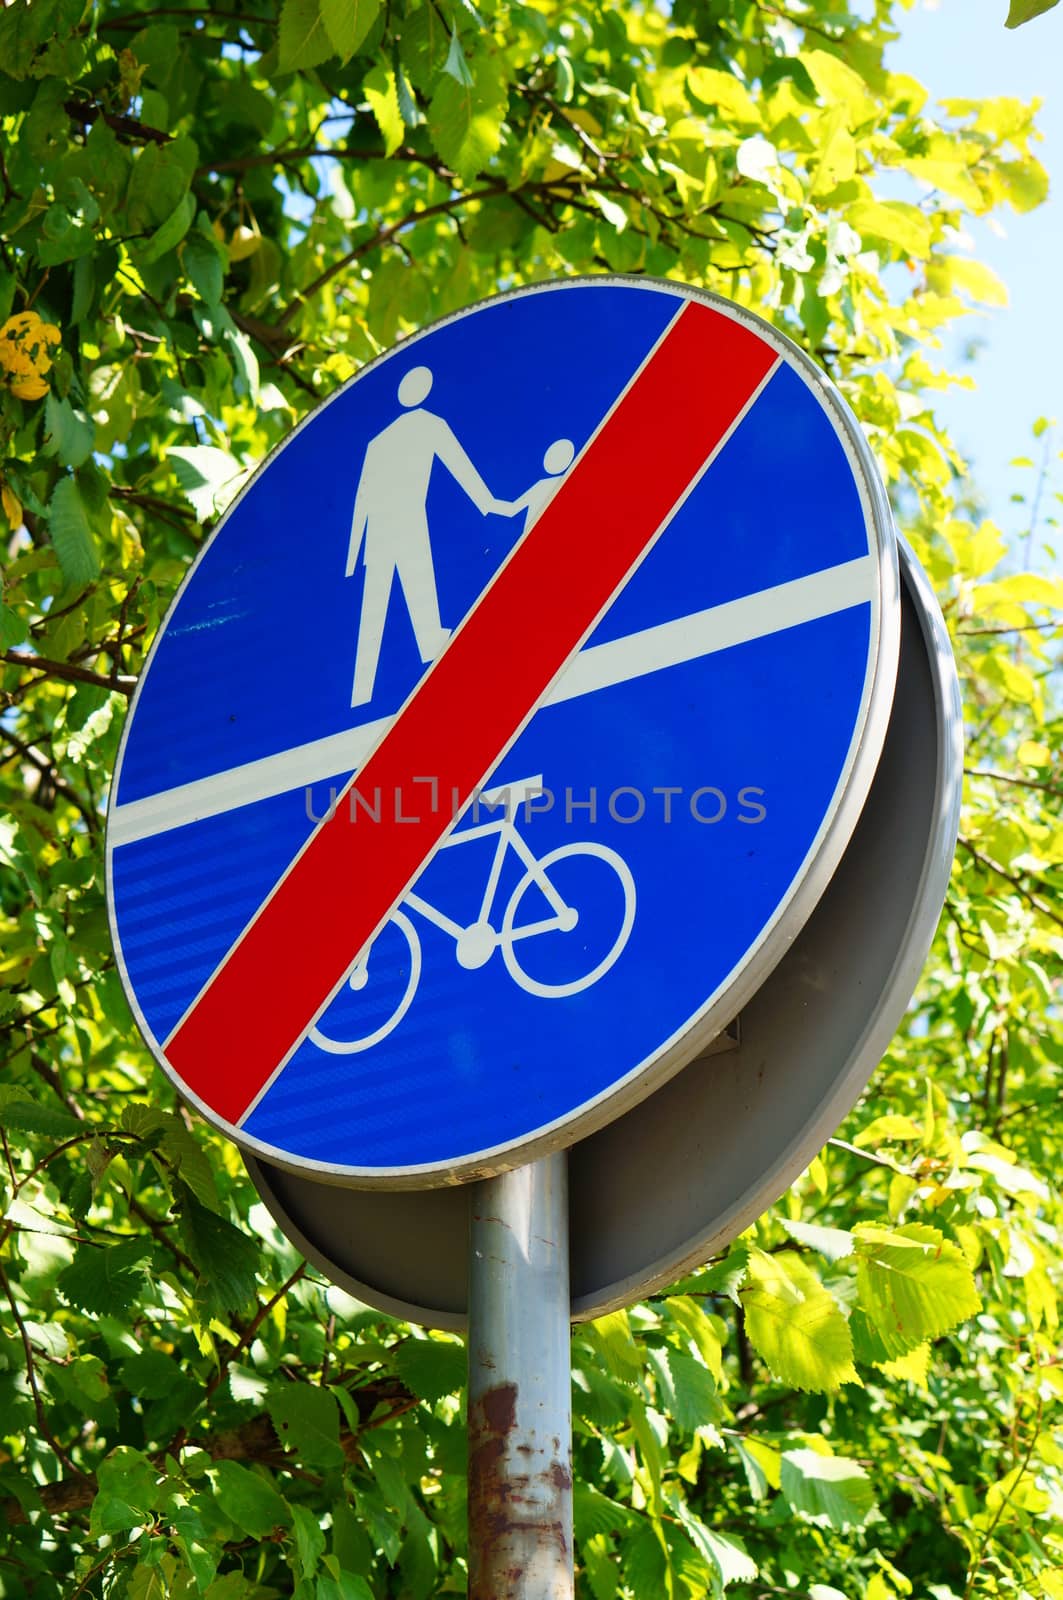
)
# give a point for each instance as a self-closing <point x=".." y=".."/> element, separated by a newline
<point x="504" y="733"/>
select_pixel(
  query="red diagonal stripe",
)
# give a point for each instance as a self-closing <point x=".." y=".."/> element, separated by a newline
<point x="470" y="706"/>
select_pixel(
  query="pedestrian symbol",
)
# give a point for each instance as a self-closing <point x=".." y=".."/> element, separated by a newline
<point x="390" y="524"/>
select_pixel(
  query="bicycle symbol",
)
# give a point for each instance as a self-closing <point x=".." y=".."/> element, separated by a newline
<point x="476" y="942"/>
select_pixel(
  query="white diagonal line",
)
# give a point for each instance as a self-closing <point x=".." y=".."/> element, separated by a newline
<point x="719" y="628"/>
<point x="703" y="633"/>
<point x="241" y="786"/>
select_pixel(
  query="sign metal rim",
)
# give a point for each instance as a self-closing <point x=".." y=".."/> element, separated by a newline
<point x="806" y="887"/>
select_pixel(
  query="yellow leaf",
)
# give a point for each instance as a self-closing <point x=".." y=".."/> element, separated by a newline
<point x="1033" y="588"/>
<point x="724" y="93"/>
<point x="969" y="1242"/>
<point x="837" y="162"/>
<point x="839" y="84"/>
<point x="1017" y="681"/>
<point x="890" y="1126"/>
<point x="912" y="1368"/>
<point x="24" y="345"/>
<point x="977" y="550"/>
<point x="31" y="388"/>
<point x="12" y="506"/>
<point x="977" y="280"/>
<point x="244" y="242"/>
<point x="952" y="176"/>
<point x="1032" y="753"/>
<point x="1041" y="1300"/>
<point x="583" y="119"/>
<point x="893" y="220"/>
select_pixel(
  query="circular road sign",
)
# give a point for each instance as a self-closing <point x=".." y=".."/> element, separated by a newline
<point x="504" y="734"/>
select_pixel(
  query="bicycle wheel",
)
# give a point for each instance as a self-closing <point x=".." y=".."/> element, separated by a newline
<point x="376" y="994"/>
<point x="562" y="934"/>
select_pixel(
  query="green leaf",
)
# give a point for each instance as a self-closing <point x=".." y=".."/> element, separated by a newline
<point x="456" y="64"/>
<point x="149" y="1583"/>
<point x="170" y="233"/>
<point x="22" y="1115"/>
<point x="230" y="1586"/>
<point x="613" y="213"/>
<point x="71" y="535"/>
<point x="307" y="1420"/>
<point x="107" y="1278"/>
<point x="158" y="183"/>
<point x="303" y="38"/>
<point x="913" y="1285"/>
<point x="1021" y="11"/>
<point x="834" y="1243"/>
<point x="128" y="1492"/>
<point x="594" y="1512"/>
<point x="645" y="1574"/>
<point x="728" y="1559"/>
<point x="431" y="1367"/>
<point x="249" y="1499"/>
<point x="795" y="1325"/>
<point x="226" y="1258"/>
<point x="465" y="120"/>
<point x="309" y="1539"/>
<point x="204" y="263"/>
<point x="206" y="474"/>
<point x="84" y="1383"/>
<point x="24" y="26"/>
<point x="70" y="433"/>
<point x="14" y="629"/>
<point x="346" y="1586"/>
<point x="424" y="46"/>
<point x="190" y="1162"/>
<point x="347" y="22"/>
<point x="723" y="1277"/>
<point x="694" y="1400"/>
<point x="66" y="232"/>
<point x="380" y="91"/>
<point x="830" y="1490"/>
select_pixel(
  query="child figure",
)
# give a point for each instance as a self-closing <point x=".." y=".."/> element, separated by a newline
<point x="556" y="463"/>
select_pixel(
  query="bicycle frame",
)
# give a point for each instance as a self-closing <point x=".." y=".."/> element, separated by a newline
<point x="509" y="838"/>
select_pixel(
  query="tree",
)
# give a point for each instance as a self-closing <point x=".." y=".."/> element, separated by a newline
<point x="210" y="218"/>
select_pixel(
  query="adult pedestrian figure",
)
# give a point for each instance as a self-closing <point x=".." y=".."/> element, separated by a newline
<point x="390" y="525"/>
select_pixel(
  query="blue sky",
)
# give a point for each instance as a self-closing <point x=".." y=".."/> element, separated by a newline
<point x="960" y="48"/>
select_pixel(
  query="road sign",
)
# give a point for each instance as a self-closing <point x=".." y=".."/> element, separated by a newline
<point x="664" y="1187"/>
<point x="504" y="734"/>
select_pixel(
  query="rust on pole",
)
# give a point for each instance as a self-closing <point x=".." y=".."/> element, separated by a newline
<point x="520" y="1406"/>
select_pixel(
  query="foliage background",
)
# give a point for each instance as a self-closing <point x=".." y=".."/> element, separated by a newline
<point x="209" y="218"/>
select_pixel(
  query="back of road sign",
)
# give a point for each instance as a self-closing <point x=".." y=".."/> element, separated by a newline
<point x="504" y="734"/>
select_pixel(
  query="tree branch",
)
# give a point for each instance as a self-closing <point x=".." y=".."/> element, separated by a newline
<point x="255" y="1440"/>
<point x="49" y="770"/>
<point x="284" y="157"/>
<point x="137" y="19"/>
<point x="1009" y="777"/>
<point x="70" y="673"/>
<point x="1016" y="882"/>
<point x="31" y="1374"/>
<point x="128" y="129"/>
<point x="441" y="208"/>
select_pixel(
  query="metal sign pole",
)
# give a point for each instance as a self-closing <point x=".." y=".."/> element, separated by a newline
<point x="520" y="1406"/>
